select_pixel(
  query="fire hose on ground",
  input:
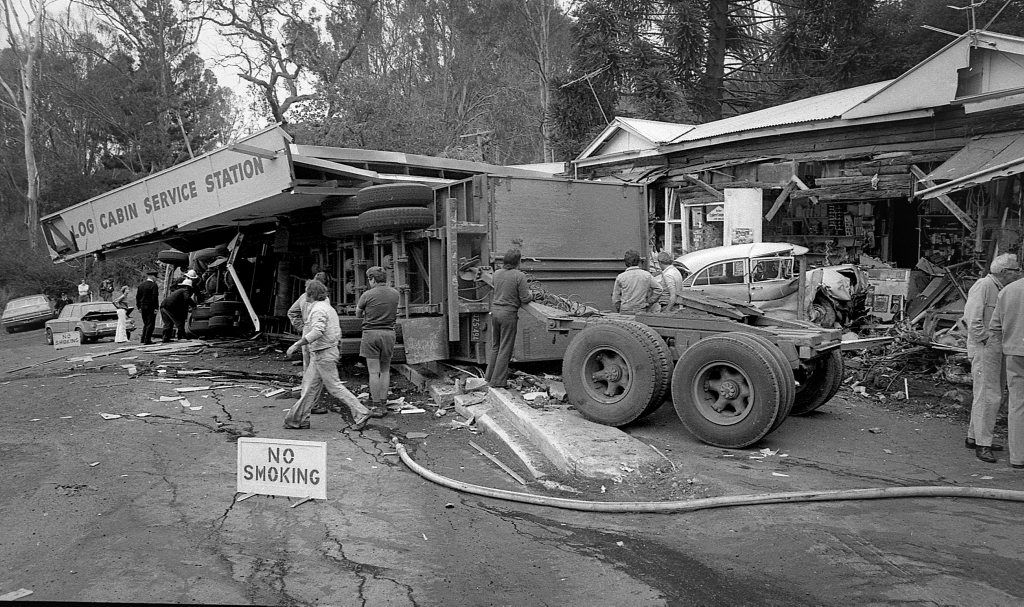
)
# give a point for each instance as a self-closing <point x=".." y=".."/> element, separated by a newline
<point x="709" y="502"/>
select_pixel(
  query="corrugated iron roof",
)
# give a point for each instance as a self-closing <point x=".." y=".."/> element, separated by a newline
<point x="820" y="107"/>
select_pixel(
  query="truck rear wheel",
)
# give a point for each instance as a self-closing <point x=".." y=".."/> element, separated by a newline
<point x="340" y="227"/>
<point x="727" y="391"/>
<point x="615" y="372"/>
<point x="173" y="257"/>
<point x="820" y="379"/>
<point x="391" y="195"/>
<point x="395" y="219"/>
<point x="784" y="371"/>
<point x="339" y="206"/>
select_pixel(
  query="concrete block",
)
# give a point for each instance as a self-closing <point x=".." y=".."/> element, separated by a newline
<point x="443" y="393"/>
<point x="475" y="383"/>
<point x="556" y="389"/>
<point x="573" y="444"/>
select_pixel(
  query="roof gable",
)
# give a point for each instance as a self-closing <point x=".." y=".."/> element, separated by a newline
<point x="633" y="135"/>
<point x="978" y="63"/>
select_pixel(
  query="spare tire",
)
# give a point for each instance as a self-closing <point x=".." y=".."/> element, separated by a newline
<point x="341" y="227"/>
<point x="210" y="253"/>
<point x="392" y="195"/>
<point x="225" y="307"/>
<point x="339" y="206"/>
<point x="202" y="313"/>
<point x="395" y="220"/>
<point x="173" y="257"/>
<point x="221" y="322"/>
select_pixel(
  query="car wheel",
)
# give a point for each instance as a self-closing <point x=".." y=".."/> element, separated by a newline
<point x="49" y="336"/>
<point x="822" y="313"/>
<point x="726" y="391"/>
<point x="82" y="339"/>
<point x="820" y="379"/>
<point x="613" y="374"/>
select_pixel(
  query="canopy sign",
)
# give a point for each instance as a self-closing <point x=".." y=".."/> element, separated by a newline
<point x="246" y="171"/>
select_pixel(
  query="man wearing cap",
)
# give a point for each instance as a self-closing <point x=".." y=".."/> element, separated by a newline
<point x="147" y="298"/>
<point x="175" y="308"/>
<point x="985" y="351"/>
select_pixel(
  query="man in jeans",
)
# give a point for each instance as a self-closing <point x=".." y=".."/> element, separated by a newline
<point x="988" y="369"/>
<point x="635" y="289"/>
<point x="378" y="308"/>
<point x="323" y="331"/>
<point x="1007" y="327"/>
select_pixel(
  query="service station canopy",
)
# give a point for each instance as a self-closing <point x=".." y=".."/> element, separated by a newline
<point x="250" y="181"/>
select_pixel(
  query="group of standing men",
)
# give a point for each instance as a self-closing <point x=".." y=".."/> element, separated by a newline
<point x="637" y="290"/>
<point x="994" y="315"/>
<point x="313" y="315"/>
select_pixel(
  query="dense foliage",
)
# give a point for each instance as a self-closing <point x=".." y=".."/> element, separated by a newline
<point x="123" y="89"/>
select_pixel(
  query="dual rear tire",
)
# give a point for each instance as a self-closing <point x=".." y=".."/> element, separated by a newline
<point x="729" y="390"/>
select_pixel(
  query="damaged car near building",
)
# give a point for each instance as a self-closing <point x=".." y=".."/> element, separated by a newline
<point x="765" y="275"/>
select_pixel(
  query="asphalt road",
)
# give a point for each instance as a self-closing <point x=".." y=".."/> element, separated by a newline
<point x="144" y="509"/>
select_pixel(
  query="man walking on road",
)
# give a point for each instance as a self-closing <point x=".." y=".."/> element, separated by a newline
<point x="147" y="298"/>
<point x="1007" y="328"/>
<point x="298" y="314"/>
<point x="322" y="335"/>
<point x="635" y="289"/>
<point x="378" y="307"/>
<point x="510" y="294"/>
<point x="988" y="369"/>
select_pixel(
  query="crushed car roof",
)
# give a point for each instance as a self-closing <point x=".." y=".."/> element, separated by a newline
<point x="696" y="260"/>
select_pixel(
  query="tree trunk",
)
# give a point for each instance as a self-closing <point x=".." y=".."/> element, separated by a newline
<point x="714" y="73"/>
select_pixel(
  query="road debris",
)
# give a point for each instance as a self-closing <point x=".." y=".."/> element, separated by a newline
<point x="110" y="416"/>
<point x="499" y="463"/>
<point x="15" y="594"/>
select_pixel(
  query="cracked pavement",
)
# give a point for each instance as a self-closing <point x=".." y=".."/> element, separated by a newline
<point x="144" y="509"/>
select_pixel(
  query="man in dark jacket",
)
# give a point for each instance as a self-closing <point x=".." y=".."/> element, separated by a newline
<point x="147" y="299"/>
<point x="175" y="308"/>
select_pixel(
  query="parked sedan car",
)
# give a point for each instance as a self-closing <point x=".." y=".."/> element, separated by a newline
<point x="762" y="274"/>
<point x="27" y="312"/>
<point x="92" y="321"/>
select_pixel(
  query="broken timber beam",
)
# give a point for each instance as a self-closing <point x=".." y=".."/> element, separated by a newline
<point x="710" y="189"/>
<point x="783" y="197"/>
<point x="945" y="200"/>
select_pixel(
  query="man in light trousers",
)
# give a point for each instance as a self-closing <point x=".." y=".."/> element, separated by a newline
<point x="1007" y="327"/>
<point x="988" y="371"/>
<point x="298" y="315"/>
<point x="323" y="333"/>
